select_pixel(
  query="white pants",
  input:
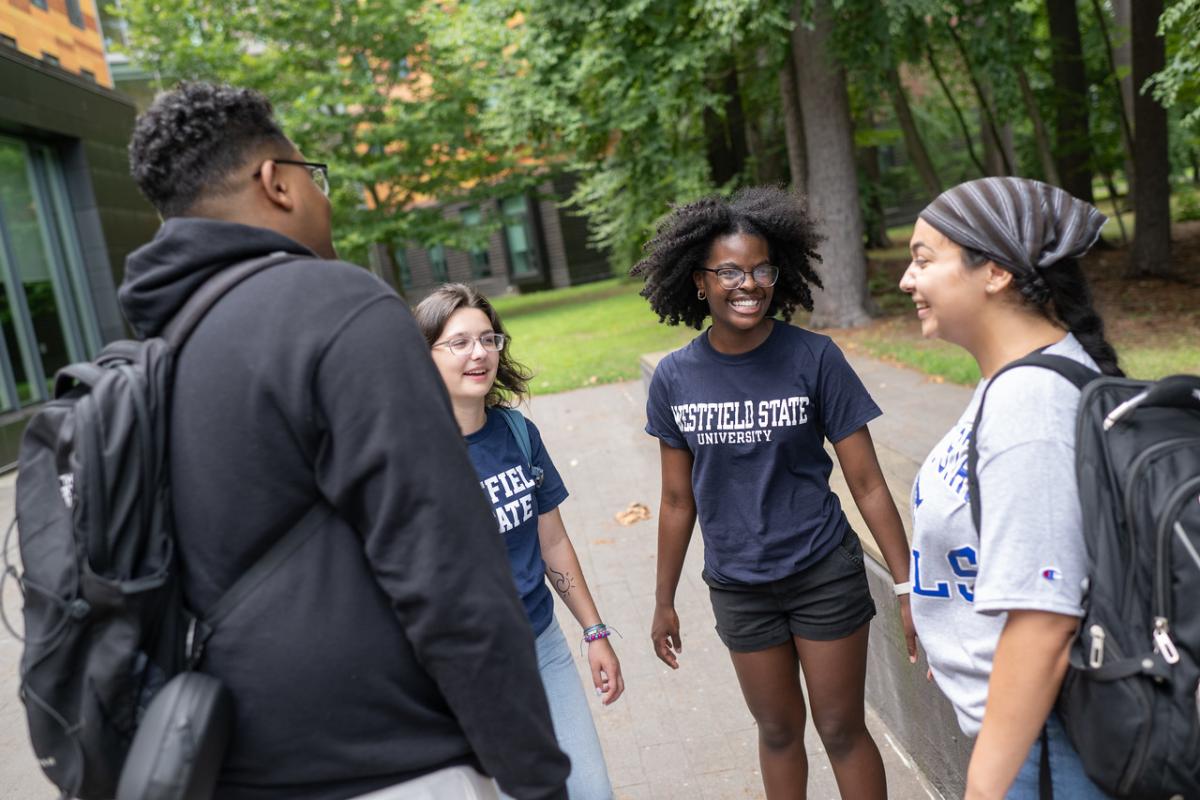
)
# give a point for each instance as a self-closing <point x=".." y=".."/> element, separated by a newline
<point x="452" y="783"/>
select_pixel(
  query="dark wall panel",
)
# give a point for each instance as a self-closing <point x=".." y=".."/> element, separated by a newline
<point x="89" y="127"/>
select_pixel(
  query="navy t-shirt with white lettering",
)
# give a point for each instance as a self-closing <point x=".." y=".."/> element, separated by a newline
<point x="508" y="486"/>
<point x="756" y="424"/>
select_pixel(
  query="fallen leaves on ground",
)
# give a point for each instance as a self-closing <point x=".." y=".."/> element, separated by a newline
<point x="635" y="513"/>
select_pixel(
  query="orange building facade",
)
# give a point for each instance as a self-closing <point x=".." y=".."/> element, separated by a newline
<point x="63" y="33"/>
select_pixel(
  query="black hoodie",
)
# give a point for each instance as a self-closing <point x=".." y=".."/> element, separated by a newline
<point x="393" y="643"/>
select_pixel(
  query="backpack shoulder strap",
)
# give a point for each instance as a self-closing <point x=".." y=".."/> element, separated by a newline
<point x="1078" y="374"/>
<point x="201" y="627"/>
<point x="203" y="299"/>
<point x="520" y="431"/>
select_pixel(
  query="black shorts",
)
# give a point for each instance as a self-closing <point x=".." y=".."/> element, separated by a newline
<point x="828" y="600"/>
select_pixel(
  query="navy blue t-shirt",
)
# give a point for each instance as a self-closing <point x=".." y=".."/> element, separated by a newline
<point x="508" y="486"/>
<point x="756" y="424"/>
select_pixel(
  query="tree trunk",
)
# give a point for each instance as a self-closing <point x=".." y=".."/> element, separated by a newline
<point x="873" y="218"/>
<point x="726" y="133"/>
<point x="763" y="134"/>
<point x="793" y="124"/>
<point x="1040" y="137"/>
<point x="1123" y="60"/>
<point x="829" y="137"/>
<point x="872" y="196"/>
<point x="1151" y="254"/>
<point x="962" y="121"/>
<point x="379" y="261"/>
<point x="1072" y="148"/>
<point x="1112" y="192"/>
<point x="990" y="131"/>
<point x="912" y="137"/>
<point x="1116" y="84"/>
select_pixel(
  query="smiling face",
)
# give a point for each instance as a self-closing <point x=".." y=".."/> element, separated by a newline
<point x="949" y="296"/>
<point x="468" y="376"/>
<point x="745" y="308"/>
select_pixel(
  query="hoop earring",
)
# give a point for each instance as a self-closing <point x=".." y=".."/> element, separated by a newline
<point x="700" y="295"/>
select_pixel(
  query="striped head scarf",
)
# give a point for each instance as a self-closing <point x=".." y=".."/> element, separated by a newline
<point x="1021" y="224"/>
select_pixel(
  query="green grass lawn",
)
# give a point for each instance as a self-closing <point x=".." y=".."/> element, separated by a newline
<point x="954" y="364"/>
<point x="585" y="335"/>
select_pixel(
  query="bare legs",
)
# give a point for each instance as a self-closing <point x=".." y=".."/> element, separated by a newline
<point x="835" y="673"/>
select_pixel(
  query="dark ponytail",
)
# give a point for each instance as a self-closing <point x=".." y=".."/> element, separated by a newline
<point x="1063" y="294"/>
<point x="1071" y="298"/>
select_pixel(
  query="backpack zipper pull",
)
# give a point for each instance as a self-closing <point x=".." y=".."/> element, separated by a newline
<point x="1096" y="656"/>
<point x="1162" y="641"/>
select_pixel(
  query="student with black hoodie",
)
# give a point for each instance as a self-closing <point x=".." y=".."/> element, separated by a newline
<point x="392" y="645"/>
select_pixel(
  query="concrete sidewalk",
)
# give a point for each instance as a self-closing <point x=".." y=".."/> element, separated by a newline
<point x="684" y="734"/>
<point x="687" y="734"/>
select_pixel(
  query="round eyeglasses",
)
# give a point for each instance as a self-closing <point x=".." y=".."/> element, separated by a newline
<point x="765" y="275"/>
<point x="465" y="345"/>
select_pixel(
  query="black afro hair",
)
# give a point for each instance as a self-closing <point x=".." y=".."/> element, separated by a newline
<point x="683" y="239"/>
<point x="192" y="137"/>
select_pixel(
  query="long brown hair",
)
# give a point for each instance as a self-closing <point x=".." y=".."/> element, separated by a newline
<point x="432" y="313"/>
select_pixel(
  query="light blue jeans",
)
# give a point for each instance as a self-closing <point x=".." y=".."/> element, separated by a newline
<point x="1066" y="770"/>
<point x="573" y="726"/>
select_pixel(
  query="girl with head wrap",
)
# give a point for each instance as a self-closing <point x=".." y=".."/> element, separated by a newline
<point x="994" y="271"/>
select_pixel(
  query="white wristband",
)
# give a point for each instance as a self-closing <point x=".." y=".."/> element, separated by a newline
<point x="902" y="588"/>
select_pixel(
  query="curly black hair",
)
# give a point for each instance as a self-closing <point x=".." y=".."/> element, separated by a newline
<point x="192" y="137"/>
<point x="684" y="237"/>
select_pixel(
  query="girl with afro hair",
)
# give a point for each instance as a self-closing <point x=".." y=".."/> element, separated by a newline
<point x="742" y="414"/>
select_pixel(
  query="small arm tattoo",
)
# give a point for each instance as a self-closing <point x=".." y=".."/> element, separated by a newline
<point x="563" y="583"/>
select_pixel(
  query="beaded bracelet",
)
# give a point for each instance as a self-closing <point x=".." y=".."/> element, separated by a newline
<point x="597" y="631"/>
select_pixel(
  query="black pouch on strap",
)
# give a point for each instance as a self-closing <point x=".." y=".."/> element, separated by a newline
<point x="180" y="743"/>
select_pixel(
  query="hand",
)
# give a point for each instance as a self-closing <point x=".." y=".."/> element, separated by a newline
<point x="910" y="631"/>
<point x="606" y="671"/>
<point x="664" y="633"/>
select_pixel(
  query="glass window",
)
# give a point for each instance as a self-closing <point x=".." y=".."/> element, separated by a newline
<point x="8" y="41"/>
<point x="437" y="263"/>
<point x="46" y="317"/>
<point x="50" y="59"/>
<point x="403" y="271"/>
<point x="516" y="231"/>
<point x="88" y="75"/>
<point x="38" y="4"/>
<point x="481" y="265"/>
<point x="75" y="13"/>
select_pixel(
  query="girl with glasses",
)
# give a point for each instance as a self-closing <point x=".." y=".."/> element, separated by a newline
<point x="469" y="347"/>
<point x="742" y="414"/>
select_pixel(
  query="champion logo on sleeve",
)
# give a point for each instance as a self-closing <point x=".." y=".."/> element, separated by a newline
<point x="1051" y="574"/>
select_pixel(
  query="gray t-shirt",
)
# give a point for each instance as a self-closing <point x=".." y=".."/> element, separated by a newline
<point x="1031" y="554"/>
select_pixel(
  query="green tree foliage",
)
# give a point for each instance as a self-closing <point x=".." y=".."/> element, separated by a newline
<point x="1178" y="84"/>
<point x="615" y="92"/>
<point x="387" y="93"/>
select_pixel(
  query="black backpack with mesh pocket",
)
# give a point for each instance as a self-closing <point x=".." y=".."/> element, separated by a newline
<point x="105" y="625"/>
<point x="1130" y="701"/>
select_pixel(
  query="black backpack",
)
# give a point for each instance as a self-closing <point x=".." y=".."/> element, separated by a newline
<point x="105" y="623"/>
<point x="1130" y="701"/>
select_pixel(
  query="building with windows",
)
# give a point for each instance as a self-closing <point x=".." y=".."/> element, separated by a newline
<point x="538" y="245"/>
<point x="69" y="212"/>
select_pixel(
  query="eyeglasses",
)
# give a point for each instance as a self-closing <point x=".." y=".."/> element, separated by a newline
<point x="317" y="171"/>
<point x="765" y="275"/>
<point x="465" y="345"/>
